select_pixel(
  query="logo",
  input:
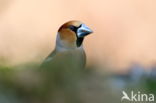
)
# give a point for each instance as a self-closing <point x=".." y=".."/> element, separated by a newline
<point x="137" y="97"/>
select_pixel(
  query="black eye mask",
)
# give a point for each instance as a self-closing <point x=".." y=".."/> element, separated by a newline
<point x="74" y="28"/>
<point x="79" y="40"/>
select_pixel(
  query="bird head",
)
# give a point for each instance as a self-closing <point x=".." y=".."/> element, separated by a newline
<point x="71" y="35"/>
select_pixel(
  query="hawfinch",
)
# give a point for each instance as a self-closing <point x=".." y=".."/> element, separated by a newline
<point x="69" y="52"/>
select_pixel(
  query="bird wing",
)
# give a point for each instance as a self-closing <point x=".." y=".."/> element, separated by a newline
<point x="67" y="59"/>
<point x="48" y="58"/>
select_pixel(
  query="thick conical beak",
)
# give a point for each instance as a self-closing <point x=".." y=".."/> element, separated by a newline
<point x="83" y="31"/>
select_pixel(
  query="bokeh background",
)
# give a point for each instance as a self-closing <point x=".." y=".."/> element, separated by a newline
<point x="123" y="45"/>
<point x="124" y="30"/>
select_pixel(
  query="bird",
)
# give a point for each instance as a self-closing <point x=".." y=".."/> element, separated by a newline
<point x="68" y="52"/>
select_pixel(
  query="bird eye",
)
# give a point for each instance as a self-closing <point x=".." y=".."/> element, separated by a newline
<point x="73" y="28"/>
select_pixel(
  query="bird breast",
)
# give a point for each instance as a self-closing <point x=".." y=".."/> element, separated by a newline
<point x="72" y="59"/>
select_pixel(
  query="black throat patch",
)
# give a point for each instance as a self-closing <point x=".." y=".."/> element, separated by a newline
<point x="79" y="41"/>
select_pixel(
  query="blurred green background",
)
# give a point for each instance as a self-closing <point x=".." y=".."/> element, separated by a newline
<point x="33" y="84"/>
<point x="120" y="52"/>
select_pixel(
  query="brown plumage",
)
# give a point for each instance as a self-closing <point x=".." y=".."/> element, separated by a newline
<point x="69" y="52"/>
